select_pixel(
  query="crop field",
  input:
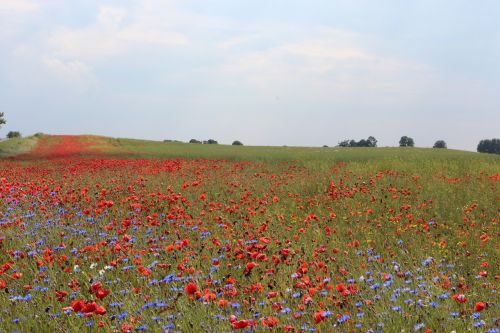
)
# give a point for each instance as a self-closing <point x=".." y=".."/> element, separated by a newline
<point x="118" y="235"/>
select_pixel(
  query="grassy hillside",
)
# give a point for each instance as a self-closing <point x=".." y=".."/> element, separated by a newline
<point x="447" y="161"/>
<point x="16" y="146"/>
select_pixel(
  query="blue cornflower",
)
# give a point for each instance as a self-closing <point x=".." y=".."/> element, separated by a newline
<point x="444" y="296"/>
<point x="418" y="327"/>
<point x="343" y="318"/>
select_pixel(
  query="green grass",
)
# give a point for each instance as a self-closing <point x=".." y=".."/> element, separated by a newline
<point x="156" y="149"/>
<point x="11" y="147"/>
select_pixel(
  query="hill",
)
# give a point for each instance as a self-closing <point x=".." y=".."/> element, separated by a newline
<point x="53" y="146"/>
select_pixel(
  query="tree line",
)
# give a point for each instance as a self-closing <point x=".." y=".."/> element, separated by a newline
<point x="490" y="146"/>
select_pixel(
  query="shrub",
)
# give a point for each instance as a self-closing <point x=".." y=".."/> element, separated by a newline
<point x="440" y="144"/>
<point x="237" y="143"/>
<point x="194" y="141"/>
<point x="13" y="134"/>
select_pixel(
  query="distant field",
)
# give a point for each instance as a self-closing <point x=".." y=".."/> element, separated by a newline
<point x="123" y="235"/>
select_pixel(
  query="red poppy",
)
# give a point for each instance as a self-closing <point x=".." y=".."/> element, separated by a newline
<point x="480" y="306"/>
<point x="191" y="288"/>
<point x="270" y="321"/>
<point x="248" y="268"/>
<point x="77" y="305"/>
<point x="460" y="298"/>
<point x="239" y="324"/>
<point x="100" y="310"/>
<point x="101" y="293"/>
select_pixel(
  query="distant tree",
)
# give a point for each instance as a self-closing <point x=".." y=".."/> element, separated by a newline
<point x="2" y="119"/>
<point x="363" y="143"/>
<point x="344" y="143"/>
<point x="194" y="141"/>
<point x="440" y="144"/>
<point x="406" y="141"/>
<point x="13" y="134"/>
<point x="325" y="146"/>
<point x="372" y="141"/>
<point x="237" y="143"/>
<point x="489" y="146"/>
<point x="210" y="142"/>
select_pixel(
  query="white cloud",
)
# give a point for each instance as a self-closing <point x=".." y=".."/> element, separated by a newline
<point x="18" y="6"/>
<point x="111" y="16"/>
<point x="73" y="74"/>
<point x="68" y="69"/>
<point x="116" y="31"/>
<point x="331" y="62"/>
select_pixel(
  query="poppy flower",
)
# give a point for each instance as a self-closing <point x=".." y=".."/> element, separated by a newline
<point x="459" y="298"/>
<point x="100" y="310"/>
<point x="270" y="321"/>
<point x="239" y="324"/>
<point x="191" y="288"/>
<point x="101" y="293"/>
<point x="249" y="267"/>
<point x="77" y="305"/>
<point x="480" y="306"/>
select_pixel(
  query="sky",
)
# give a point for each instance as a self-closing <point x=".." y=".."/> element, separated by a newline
<point x="273" y="72"/>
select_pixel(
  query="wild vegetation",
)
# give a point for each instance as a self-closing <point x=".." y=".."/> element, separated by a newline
<point x="127" y="235"/>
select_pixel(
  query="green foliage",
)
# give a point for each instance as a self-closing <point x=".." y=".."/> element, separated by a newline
<point x="13" y="134"/>
<point x="2" y="119"/>
<point x="370" y="142"/>
<point x="440" y="144"/>
<point x="489" y="146"/>
<point x="210" y="142"/>
<point x="406" y="141"/>
<point x="237" y="143"/>
<point x="194" y="141"/>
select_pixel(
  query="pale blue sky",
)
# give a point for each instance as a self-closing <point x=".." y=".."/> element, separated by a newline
<point x="271" y="72"/>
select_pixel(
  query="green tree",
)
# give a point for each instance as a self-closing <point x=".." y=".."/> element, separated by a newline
<point x="2" y="119"/>
<point x="237" y="143"/>
<point x="440" y="144"/>
<point x="13" y="134"/>
<point x="489" y="146"/>
<point x="406" y="141"/>
<point x="344" y="143"/>
<point x="194" y="141"/>
<point x="372" y="142"/>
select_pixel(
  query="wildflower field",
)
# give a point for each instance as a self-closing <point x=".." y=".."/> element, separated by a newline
<point x="115" y="235"/>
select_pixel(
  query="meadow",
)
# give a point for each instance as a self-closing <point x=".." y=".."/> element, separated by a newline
<point x="120" y="235"/>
